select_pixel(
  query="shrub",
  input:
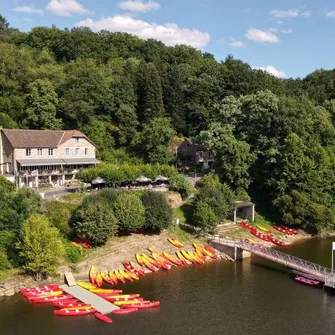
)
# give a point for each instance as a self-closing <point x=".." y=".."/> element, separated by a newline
<point x="204" y="217"/>
<point x="179" y="183"/>
<point x="94" y="221"/>
<point x="4" y="262"/>
<point x="40" y="246"/>
<point x="5" y="185"/>
<point x="129" y="211"/>
<point x="106" y="195"/>
<point x="158" y="213"/>
<point x="6" y="239"/>
<point x="59" y="215"/>
<point x="72" y="253"/>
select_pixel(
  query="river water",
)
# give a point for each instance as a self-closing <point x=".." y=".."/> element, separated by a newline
<point x="252" y="296"/>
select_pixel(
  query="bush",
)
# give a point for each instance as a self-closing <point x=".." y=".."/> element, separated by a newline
<point x="40" y="246"/>
<point x="106" y="195"/>
<point x="4" y="262"/>
<point x="204" y="217"/>
<point x="129" y="211"/>
<point x="94" y="221"/>
<point x="158" y="213"/>
<point x="59" y="215"/>
<point x="6" y="239"/>
<point x="179" y="183"/>
<point x="72" y="253"/>
<point x="5" y="185"/>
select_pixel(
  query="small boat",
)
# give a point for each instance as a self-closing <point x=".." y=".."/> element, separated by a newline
<point x="79" y="307"/>
<point x="306" y="281"/>
<point x="124" y="310"/>
<point x="41" y="288"/>
<point x="123" y="297"/>
<point x="246" y="225"/>
<point x="126" y="276"/>
<point x="175" y="242"/>
<point x="187" y="256"/>
<point x="86" y="285"/>
<point x="264" y="229"/>
<point x="181" y="257"/>
<point x="278" y="242"/>
<point x="119" y="276"/>
<point x="209" y="252"/>
<point x="137" y="268"/>
<point x="103" y="317"/>
<point x="293" y="231"/>
<point x="150" y="260"/>
<point x="77" y="312"/>
<point x="98" y="279"/>
<point x="102" y="290"/>
<point x="113" y="277"/>
<point x="261" y="235"/>
<point x="282" y="230"/>
<point x="93" y="274"/>
<point x="132" y="274"/>
<point x="50" y="299"/>
<point x="42" y="294"/>
<point x="68" y="303"/>
<point x="130" y="302"/>
<point x="158" y="257"/>
<point x="139" y="259"/>
<point x="173" y="259"/>
<point x="146" y="305"/>
<point x="107" y="279"/>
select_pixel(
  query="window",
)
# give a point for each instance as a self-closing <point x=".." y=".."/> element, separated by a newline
<point x="28" y="152"/>
<point x="77" y="151"/>
<point x="39" y="152"/>
<point x="86" y="151"/>
<point x="77" y="139"/>
<point x="67" y="151"/>
<point x="51" y="152"/>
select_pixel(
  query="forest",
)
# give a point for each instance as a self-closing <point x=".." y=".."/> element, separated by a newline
<point x="271" y="137"/>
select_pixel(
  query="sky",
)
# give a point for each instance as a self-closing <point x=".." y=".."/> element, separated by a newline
<point x="287" y="38"/>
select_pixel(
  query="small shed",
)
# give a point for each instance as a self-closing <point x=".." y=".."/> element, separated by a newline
<point x="244" y="210"/>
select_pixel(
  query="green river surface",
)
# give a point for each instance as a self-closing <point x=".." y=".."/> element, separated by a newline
<point x="252" y="296"/>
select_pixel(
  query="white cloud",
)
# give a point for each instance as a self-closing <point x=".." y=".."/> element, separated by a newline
<point x="27" y="19"/>
<point x="273" y="30"/>
<point x="283" y="14"/>
<point x="66" y="7"/>
<point x="280" y="22"/>
<point x="169" y="33"/>
<point x="272" y="70"/>
<point x="263" y="36"/>
<point x="29" y="10"/>
<point x="237" y="44"/>
<point x="139" y="6"/>
<point x="306" y="13"/>
<point x="286" y="31"/>
<point x="331" y="14"/>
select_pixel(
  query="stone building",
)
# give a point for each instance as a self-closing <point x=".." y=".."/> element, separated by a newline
<point x="34" y="157"/>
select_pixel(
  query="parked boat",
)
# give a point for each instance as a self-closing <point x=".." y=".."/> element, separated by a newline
<point x="263" y="229"/>
<point x="98" y="279"/>
<point x="86" y="285"/>
<point x="181" y="257"/>
<point x="119" y="276"/>
<point x="68" y="303"/>
<point x="125" y="275"/>
<point x="50" y="299"/>
<point x="146" y="305"/>
<point x="306" y="281"/>
<point x="282" y="230"/>
<point x="103" y="317"/>
<point x="123" y="297"/>
<point x="77" y="312"/>
<point x="291" y="230"/>
<point x="278" y="242"/>
<point x="261" y="235"/>
<point x="132" y="274"/>
<point x="40" y="288"/>
<point x="79" y="307"/>
<point x="124" y="311"/>
<point x="173" y="259"/>
<point x="139" y="259"/>
<point x="130" y="302"/>
<point x="107" y="279"/>
<point x="93" y="274"/>
<point x="139" y="270"/>
<point x="103" y="290"/>
<point x="175" y="242"/>
<point x="113" y="277"/>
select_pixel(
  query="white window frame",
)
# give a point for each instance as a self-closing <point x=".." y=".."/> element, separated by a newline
<point x="39" y="152"/>
<point x="28" y="152"/>
<point x="50" y="152"/>
<point x="67" y="151"/>
<point x="86" y="151"/>
<point x="76" y="151"/>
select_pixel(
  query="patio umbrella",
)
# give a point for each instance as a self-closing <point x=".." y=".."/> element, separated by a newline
<point x="143" y="179"/>
<point x="97" y="180"/>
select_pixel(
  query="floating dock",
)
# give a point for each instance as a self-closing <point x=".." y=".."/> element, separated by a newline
<point x="101" y="305"/>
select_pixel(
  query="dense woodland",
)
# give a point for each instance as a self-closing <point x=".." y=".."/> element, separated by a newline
<point x="273" y="138"/>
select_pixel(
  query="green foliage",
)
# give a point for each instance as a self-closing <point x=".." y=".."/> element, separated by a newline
<point x="6" y="239"/>
<point x="4" y="262"/>
<point x="129" y="211"/>
<point x="180" y="184"/>
<point x="158" y="213"/>
<point x="94" y="221"/>
<point x="40" y="247"/>
<point x="59" y="214"/>
<point x="72" y="253"/>
<point x="5" y="185"/>
<point x="204" y="217"/>
<point x="127" y="124"/>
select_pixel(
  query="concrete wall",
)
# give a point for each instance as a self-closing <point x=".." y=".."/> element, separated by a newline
<point x="7" y="155"/>
<point x="234" y="253"/>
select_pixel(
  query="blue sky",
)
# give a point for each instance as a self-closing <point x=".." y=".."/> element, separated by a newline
<point x="285" y="38"/>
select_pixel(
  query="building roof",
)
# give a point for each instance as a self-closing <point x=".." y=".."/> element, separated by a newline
<point x="242" y="204"/>
<point x="191" y="142"/>
<point x="27" y="138"/>
<point x="56" y="161"/>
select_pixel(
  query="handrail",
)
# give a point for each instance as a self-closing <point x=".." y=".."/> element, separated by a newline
<point x="279" y="257"/>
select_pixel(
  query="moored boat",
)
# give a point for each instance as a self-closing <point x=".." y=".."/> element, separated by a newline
<point x="173" y="259"/>
<point x="86" y="285"/>
<point x="125" y="275"/>
<point x="261" y="235"/>
<point x="93" y="274"/>
<point x="68" y="303"/>
<point x="103" y="290"/>
<point x="77" y="312"/>
<point x="107" y="279"/>
<point x="306" y="281"/>
<point x="137" y="268"/>
<point x="181" y="257"/>
<point x="278" y="242"/>
<point x="98" y="279"/>
<point x="146" y="305"/>
<point x="124" y="311"/>
<point x="103" y="317"/>
<point x="41" y="288"/>
<point x="119" y="276"/>
<point x="139" y="259"/>
<point x="280" y="229"/>
<point x="175" y="242"/>
<point x="291" y="230"/>
<point x="51" y="299"/>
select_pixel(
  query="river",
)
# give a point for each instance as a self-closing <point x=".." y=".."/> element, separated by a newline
<point x="252" y="296"/>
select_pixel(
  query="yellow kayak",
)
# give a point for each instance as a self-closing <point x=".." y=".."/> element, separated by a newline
<point x="132" y="274"/>
<point x="103" y="290"/>
<point x="187" y="256"/>
<point x="76" y="308"/>
<point x="127" y="302"/>
<point x="139" y="259"/>
<point x="181" y="257"/>
<point x="86" y="285"/>
<point x="99" y="279"/>
<point x="262" y="228"/>
<point x="125" y="275"/>
<point x="93" y="274"/>
<point x="119" y="276"/>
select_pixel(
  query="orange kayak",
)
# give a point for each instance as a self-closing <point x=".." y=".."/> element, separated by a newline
<point x="98" y="279"/>
<point x="175" y="242"/>
<point x="93" y="274"/>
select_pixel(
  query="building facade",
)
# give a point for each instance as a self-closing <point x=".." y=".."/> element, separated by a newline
<point x="33" y="158"/>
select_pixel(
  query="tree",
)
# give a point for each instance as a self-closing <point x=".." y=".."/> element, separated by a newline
<point x="42" y="102"/>
<point x="150" y="93"/>
<point x="59" y="215"/>
<point x="4" y="25"/>
<point x="5" y="185"/>
<point x="204" y="217"/>
<point x="40" y="247"/>
<point x="127" y="124"/>
<point x="158" y="213"/>
<point x="179" y="183"/>
<point x="129" y="211"/>
<point x="94" y="221"/>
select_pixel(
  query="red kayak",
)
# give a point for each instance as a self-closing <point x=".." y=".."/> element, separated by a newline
<point x="51" y="299"/>
<point x="65" y="304"/>
<point x="103" y="317"/>
<point x="278" y="242"/>
<point x="306" y="281"/>
<point x="74" y="312"/>
<point x="246" y="225"/>
<point x="293" y="231"/>
<point x="109" y="294"/>
<point x="261" y="235"/>
<point x="146" y="305"/>
<point x="124" y="310"/>
<point x="122" y="298"/>
<point x="41" y="288"/>
<point x="282" y="230"/>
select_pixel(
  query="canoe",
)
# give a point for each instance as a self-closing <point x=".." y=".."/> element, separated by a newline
<point x="264" y="229"/>
<point x="149" y="259"/>
<point x="160" y="258"/>
<point x="139" y="259"/>
<point x="261" y="235"/>
<point x="103" y="317"/>
<point x="76" y="312"/>
<point x="175" y="242"/>
<point x="50" y="299"/>
<point x="119" y="276"/>
<point x="246" y="225"/>
<point x="146" y="305"/>
<point x="93" y="274"/>
<point x="86" y="285"/>
<point x="124" y="311"/>
<point x="123" y="297"/>
<point x="282" y="230"/>
<point x="306" y="281"/>
<point x="126" y="276"/>
<point x="199" y="253"/>
<point x="278" y="242"/>
<point x="41" y="288"/>
<point x="98" y="279"/>
<point x="150" y="266"/>
<point x="196" y="257"/>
